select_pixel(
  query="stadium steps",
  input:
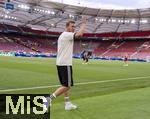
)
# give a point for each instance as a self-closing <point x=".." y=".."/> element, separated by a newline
<point x="24" y="44"/>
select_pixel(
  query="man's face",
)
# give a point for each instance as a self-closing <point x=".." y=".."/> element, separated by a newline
<point x="71" y="27"/>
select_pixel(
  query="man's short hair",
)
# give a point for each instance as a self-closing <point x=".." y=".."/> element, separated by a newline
<point x="70" y="22"/>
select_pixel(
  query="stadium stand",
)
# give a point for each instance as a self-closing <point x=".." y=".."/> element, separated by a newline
<point x="110" y="33"/>
<point x="111" y="48"/>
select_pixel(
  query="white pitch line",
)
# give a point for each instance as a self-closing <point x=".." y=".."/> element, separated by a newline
<point x="84" y="83"/>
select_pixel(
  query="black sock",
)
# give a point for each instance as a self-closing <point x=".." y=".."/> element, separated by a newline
<point x="53" y="96"/>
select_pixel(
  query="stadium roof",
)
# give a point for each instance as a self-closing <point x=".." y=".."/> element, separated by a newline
<point x="108" y="4"/>
<point x="52" y="16"/>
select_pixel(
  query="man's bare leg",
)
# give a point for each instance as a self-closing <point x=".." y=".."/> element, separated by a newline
<point x="66" y="96"/>
<point x="59" y="91"/>
<point x="68" y="104"/>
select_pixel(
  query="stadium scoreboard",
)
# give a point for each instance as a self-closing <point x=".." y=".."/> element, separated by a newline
<point x="9" y="6"/>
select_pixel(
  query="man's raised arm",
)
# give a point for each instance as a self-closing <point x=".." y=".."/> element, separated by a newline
<point x="82" y="29"/>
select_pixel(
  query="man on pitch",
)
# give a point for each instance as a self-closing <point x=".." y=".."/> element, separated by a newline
<point x="64" y="61"/>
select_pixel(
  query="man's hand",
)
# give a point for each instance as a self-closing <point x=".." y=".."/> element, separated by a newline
<point x="84" y="20"/>
<point x="82" y="28"/>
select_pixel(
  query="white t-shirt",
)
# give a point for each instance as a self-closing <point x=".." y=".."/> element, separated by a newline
<point x="65" y="49"/>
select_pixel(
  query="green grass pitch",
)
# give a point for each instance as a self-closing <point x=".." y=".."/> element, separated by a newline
<point x="103" y="89"/>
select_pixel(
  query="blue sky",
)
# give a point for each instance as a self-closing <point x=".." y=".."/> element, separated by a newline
<point x="110" y="4"/>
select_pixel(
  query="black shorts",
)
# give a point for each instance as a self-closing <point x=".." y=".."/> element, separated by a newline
<point x="65" y="75"/>
<point x="126" y="59"/>
<point x="83" y="58"/>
